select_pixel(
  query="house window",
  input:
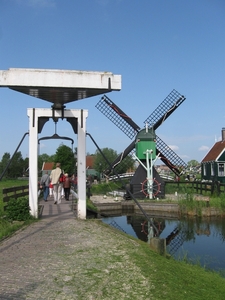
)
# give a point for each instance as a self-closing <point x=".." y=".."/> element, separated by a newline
<point x="212" y="170"/>
<point x="220" y="169"/>
<point x="204" y="169"/>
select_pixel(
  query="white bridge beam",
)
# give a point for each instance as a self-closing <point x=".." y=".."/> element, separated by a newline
<point x="81" y="116"/>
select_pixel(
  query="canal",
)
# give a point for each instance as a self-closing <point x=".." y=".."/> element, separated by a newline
<point x="197" y="240"/>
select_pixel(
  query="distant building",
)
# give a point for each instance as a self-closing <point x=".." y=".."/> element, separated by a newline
<point x="90" y="159"/>
<point x="47" y="166"/>
<point x="213" y="164"/>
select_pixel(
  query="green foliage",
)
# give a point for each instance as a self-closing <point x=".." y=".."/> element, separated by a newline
<point x="8" y="184"/>
<point x="91" y="206"/>
<point x="8" y="227"/>
<point x="15" y="168"/>
<point x="218" y="202"/>
<point x="193" y="163"/>
<point x="104" y="188"/>
<point x="18" y="209"/>
<point x="181" y="188"/>
<point x="3" y="164"/>
<point x="100" y="164"/>
<point x="65" y="156"/>
<point x="44" y="158"/>
<point x="188" y="204"/>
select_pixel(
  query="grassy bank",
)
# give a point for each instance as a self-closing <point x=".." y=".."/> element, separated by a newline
<point x="109" y="264"/>
<point x="177" y="280"/>
<point x="7" y="184"/>
<point x="7" y="228"/>
<point x="113" y="265"/>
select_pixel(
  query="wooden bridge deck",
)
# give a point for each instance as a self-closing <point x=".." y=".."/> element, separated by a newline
<point x="64" y="210"/>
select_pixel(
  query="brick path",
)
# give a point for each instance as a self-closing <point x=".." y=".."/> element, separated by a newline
<point x="27" y="264"/>
<point x="64" y="258"/>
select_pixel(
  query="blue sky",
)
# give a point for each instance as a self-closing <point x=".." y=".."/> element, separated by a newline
<point x="156" y="46"/>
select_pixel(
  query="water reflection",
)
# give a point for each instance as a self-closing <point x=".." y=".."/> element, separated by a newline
<point x="198" y="240"/>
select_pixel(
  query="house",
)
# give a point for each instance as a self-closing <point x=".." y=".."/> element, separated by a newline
<point x="47" y="166"/>
<point x="213" y="164"/>
<point x="90" y="171"/>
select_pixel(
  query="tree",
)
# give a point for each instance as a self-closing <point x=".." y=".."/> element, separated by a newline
<point x="44" y="158"/>
<point x="17" y="166"/>
<point x="101" y="165"/>
<point x="193" y="163"/>
<point x="65" y="156"/>
<point x="4" y="162"/>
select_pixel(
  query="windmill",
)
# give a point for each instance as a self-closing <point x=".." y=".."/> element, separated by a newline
<point x="131" y="129"/>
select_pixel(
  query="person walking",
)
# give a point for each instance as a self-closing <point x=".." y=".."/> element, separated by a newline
<point x="74" y="182"/>
<point x="44" y="184"/>
<point x="57" y="185"/>
<point x="50" y="189"/>
<point x="66" y="186"/>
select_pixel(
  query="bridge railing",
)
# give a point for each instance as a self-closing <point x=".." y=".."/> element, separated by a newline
<point x="14" y="193"/>
<point x="200" y="187"/>
<point x="124" y="175"/>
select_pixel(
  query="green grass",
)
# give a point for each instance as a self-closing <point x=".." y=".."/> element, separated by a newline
<point x="104" y="188"/>
<point x="168" y="279"/>
<point x="178" y="279"/>
<point x="156" y="277"/>
<point x="90" y="205"/>
<point x="7" y="184"/>
<point x="7" y="228"/>
<point x="188" y="204"/>
<point x="218" y="202"/>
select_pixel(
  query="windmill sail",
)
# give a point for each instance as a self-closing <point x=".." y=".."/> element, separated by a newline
<point x="165" y="109"/>
<point x="118" y="117"/>
<point x="130" y="128"/>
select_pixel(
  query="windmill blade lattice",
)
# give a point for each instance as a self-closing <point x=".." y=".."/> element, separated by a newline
<point x="165" y="109"/>
<point x="117" y="116"/>
<point x="130" y="128"/>
<point x="169" y="157"/>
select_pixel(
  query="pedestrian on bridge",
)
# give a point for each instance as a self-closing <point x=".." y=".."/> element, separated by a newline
<point x="57" y="185"/>
<point x="44" y="184"/>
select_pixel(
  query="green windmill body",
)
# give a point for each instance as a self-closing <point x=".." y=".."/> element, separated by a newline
<point x="145" y="140"/>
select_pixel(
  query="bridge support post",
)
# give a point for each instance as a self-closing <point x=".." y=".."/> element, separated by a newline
<point x="80" y="116"/>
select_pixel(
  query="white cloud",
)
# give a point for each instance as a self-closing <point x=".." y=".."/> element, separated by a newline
<point x="203" y="148"/>
<point x="184" y="156"/>
<point x="174" y="147"/>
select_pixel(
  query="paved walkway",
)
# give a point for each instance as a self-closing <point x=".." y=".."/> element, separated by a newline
<point x="27" y="258"/>
<point x="61" y="257"/>
<point x="60" y="211"/>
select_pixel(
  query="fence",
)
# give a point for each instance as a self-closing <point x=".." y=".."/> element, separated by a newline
<point x="15" y="192"/>
<point x="200" y="187"/>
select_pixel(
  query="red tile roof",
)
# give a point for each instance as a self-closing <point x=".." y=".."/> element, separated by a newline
<point x="47" y="166"/>
<point x="215" y="151"/>
<point x="90" y="161"/>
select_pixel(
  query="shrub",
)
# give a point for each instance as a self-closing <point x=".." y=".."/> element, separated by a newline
<point x="18" y="209"/>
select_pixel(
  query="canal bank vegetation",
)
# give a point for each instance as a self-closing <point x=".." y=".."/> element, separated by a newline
<point x="17" y="215"/>
<point x="131" y="270"/>
<point x="179" y="279"/>
<point x="183" y="194"/>
<point x="198" y="205"/>
<point x="104" y="188"/>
